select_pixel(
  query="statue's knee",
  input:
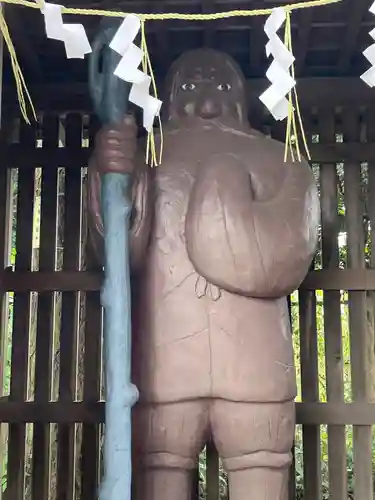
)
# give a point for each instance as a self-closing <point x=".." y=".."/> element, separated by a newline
<point x="253" y="429"/>
<point x="258" y="459"/>
<point x="163" y="460"/>
<point x="171" y="435"/>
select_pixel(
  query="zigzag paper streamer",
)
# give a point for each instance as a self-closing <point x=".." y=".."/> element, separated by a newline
<point x="369" y="75"/>
<point x="128" y="71"/>
<point x="275" y="98"/>
<point x="73" y="35"/>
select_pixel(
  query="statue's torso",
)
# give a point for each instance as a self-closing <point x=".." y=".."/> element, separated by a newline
<point x="196" y="341"/>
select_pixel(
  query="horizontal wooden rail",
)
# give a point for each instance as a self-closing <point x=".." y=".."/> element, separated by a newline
<point x="17" y="156"/>
<point x="312" y="91"/>
<point x="91" y="413"/>
<point x="335" y="413"/>
<point x="90" y="281"/>
<point x="340" y="279"/>
<point x="62" y="281"/>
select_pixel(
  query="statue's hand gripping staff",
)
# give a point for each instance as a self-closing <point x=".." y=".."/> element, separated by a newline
<point x="110" y="98"/>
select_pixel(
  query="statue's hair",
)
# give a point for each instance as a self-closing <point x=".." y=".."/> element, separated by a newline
<point x="173" y="72"/>
<point x="197" y="52"/>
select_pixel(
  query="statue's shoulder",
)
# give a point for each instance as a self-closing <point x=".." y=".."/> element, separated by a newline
<point x="271" y="147"/>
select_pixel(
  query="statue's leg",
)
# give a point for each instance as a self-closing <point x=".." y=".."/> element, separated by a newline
<point x="169" y="437"/>
<point x="255" y="442"/>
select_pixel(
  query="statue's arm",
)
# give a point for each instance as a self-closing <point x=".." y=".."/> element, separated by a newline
<point x="141" y="215"/>
<point x="254" y="248"/>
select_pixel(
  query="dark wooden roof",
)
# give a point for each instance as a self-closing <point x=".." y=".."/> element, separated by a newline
<point x="328" y="41"/>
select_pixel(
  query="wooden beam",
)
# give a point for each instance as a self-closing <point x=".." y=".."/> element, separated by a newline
<point x="321" y="92"/>
<point x="340" y="279"/>
<point x="257" y="40"/>
<point x="28" y="59"/>
<point x="208" y="7"/>
<point x="93" y="413"/>
<point x="64" y="281"/>
<point x="355" y="12"/>
<point x="335" y="413"/>
<point x="5" y="231"/>
<point x="300" y="48"/>
<point x="89" y="281"/>
<point x="163" y="52"/>
<point x="18" y="156"/>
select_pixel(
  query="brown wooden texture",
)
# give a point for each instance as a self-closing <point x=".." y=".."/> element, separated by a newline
<point x="91" y="389"/>
<point x="5" y="208"/>
<point x="212" y="472"/>
<point x="358" y="279"/>
<point x="361" y="344"/>
<point x="332" y="312"/>
<point x="21" y="311"/>
<point x="370" y="132"/>
<point x="91" y="280"/>
<point x="292" y="471"/>
<point x="350" y="92"/>
<point x="312" y="414"/>
<point x="330" y="38"/>
<point x="70" y="157"/>
<point x="310" y="393"/>
<point x="308" y="337"/>
<point x="69" y="314"/>
<point x="45" y="316"/>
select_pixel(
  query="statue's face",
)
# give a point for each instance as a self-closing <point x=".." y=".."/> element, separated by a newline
<point x="207" y="84"/>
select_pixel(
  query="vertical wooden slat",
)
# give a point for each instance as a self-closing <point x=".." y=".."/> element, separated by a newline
<point x="212" y="472"/>
<point x="68" y="335"/>
<point x="5" y="238"/>
<point x="92" y="366"/>
<point x="90" y="432"/>
<point x="310" y="393"/>
<point x="360" y="347"/>
<point x="45" y="318"/>
<point x="332" y="312"/>
<point x="5" y="228"/>
<point x="20" y="337"/>
<point x="292" y="478"/>
<point x="371" y="213"/>
<point x="309" y="376"/>
<point x="292" y="470"/>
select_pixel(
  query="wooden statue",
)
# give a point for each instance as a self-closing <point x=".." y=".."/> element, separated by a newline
<point x="221" y="233"/>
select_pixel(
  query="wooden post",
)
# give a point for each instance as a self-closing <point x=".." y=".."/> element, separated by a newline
<point x="45" y="315"/>
<point x="69" y="314"/>
<point x="21" y="318"/>
<point x="308" y="331"/>
<point x="92" y="364"/>
<point x="360" y="343"/>
<point x="332" y="312"/>
<point x="5" y="228"/>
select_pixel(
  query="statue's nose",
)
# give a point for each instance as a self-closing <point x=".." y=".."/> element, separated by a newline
<point x="208" y="109"/>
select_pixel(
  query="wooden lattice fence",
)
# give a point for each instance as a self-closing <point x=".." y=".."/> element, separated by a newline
<point x="52" y="321"/>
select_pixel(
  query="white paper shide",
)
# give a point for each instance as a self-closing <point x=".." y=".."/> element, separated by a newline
<point x="128" y="71"/>
<point x="369" y="75"/>
<point x="275" y="98"/>
<point x="73" y="35"/>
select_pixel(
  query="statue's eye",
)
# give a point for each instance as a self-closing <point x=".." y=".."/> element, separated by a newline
<point x="188" y="87"/>
<point x="224" y="87"/>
